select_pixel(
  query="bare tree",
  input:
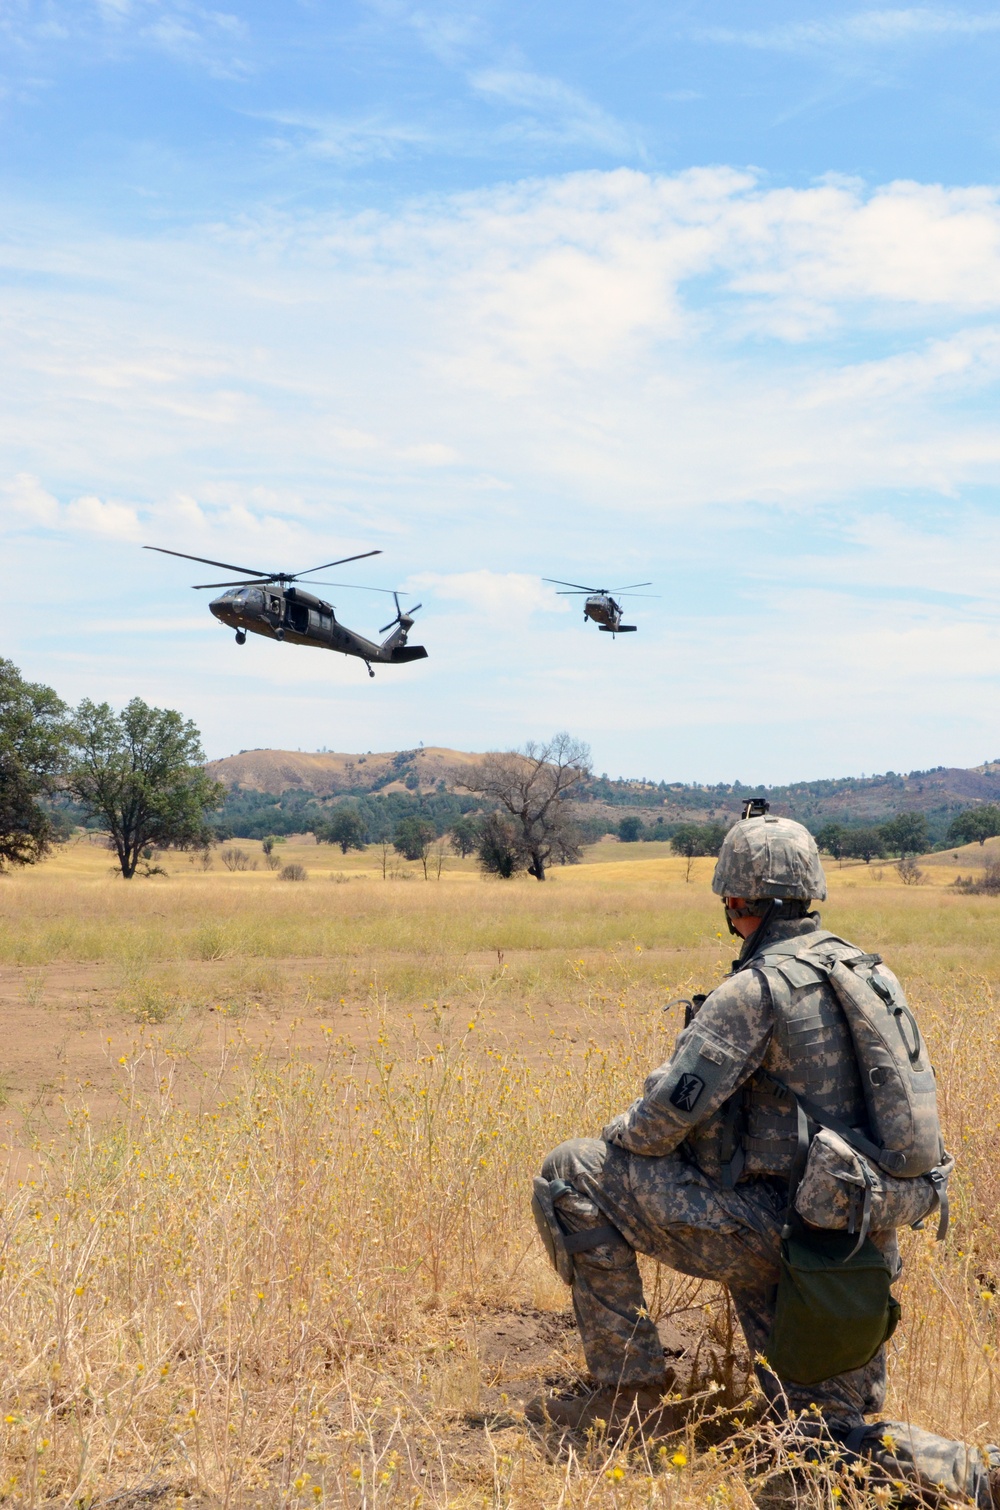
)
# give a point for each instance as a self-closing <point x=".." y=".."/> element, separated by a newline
<point x="533" y="786"/>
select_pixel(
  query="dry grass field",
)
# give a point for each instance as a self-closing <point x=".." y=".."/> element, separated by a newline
<point x="265" y="1237"/>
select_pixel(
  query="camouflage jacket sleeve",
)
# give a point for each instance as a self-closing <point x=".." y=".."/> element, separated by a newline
<point x="724" y="1044"/>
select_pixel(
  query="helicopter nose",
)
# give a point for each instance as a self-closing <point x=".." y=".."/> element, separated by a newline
<point x="218" y="606"/>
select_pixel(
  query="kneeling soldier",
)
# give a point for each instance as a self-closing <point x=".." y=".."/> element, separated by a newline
<point x="712" y="1171"/>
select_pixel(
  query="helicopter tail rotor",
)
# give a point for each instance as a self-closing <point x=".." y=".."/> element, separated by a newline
<point x="403" y="619"/>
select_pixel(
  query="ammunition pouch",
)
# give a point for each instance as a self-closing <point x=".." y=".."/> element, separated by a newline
<point x="559" y="1244"/>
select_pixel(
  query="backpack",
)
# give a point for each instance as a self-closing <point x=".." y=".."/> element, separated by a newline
<point x="896" y="1074"/>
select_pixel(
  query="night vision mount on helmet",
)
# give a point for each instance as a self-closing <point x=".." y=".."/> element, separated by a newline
<point x="274" y="605"/>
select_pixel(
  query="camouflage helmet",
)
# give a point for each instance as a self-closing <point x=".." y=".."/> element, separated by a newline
<point x="769" y="857"/>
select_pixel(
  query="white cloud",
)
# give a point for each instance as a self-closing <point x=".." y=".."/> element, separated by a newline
<point x="367" y="139"/>
<point x="26" y="501"/>
<point x="100" y="517"/>
<point x="868" y="28"/>
<point x="504" y="594"/>
<point x="555" y="111"/>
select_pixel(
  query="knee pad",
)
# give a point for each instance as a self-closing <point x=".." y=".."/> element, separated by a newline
<point x="559" y="1244"/>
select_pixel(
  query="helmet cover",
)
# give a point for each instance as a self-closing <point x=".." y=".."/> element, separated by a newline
<point x="769" y="857"/>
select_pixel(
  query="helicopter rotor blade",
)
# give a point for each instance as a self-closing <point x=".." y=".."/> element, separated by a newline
<point x="401" y="614"/>
<point x="629" y="588"/>
<point x="649" y="595"/>
<point x="578" y="585"/>
<point x="351" y="586"/>
<point x="250" y="582"/>
<point x="342" y="562"/>
<point x="251" y="571"/>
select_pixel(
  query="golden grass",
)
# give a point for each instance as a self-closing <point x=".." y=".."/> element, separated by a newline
<point x="279" y="1295"/>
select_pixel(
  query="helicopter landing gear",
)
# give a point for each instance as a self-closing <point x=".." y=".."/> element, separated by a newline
<point x="370" y="671"/>
<point x="279" y="634"/>
<point x="241" y="636"/>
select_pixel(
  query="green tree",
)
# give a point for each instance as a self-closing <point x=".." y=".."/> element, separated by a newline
<point x="864" y="844"/>
<point x="906" y="834"/>
<point x="975" y="823"/>
<point x="499" y="849"/>
<point x="832" y="838"/>
<point x="693" y="839"/>
<point x="140" y="773"/>
<point x="533" y="786"/>
<point x="465" y="834"/>
<point x="32" y="748"/>
<point x="413" y="837"/>
<point x="345" y="827"/>
<point x="630" y="830"/>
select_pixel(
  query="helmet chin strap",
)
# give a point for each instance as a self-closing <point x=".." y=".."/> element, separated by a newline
<point x="774" y="903"/>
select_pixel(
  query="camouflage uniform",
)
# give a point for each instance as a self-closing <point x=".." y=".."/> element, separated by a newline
<point x="655" y="1176"/>
<point x="695" y="1173"/>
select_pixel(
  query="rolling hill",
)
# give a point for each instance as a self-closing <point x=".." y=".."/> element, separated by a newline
<point x="327" y="775"/>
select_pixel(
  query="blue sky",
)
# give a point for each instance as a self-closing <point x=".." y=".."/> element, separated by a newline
<point x="703" y="293"/>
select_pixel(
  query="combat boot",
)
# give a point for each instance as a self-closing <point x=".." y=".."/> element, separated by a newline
<point x="618" y="1408"/>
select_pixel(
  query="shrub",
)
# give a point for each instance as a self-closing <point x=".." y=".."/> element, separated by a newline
<point x="987" y="884"/>
<point x="294" y="873"/>
<point x="235" y="858"/>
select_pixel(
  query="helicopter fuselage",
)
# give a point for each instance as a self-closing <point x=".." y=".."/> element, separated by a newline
<point x="293" y="616"/>
<point x="606" y="613"/>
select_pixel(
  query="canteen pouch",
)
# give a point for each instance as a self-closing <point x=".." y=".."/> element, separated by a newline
<point x="842" y="1191"/>
<point x="834" y="1307"/>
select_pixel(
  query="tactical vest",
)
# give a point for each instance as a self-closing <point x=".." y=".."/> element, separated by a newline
<point x="811" y="1052"/>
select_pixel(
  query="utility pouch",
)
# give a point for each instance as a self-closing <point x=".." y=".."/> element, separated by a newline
<point x="834" y="1309"/>
<point x="559" y="1244"/>
<point x="841" y="1190"/>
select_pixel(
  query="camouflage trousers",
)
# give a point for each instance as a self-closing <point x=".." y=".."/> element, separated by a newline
<point x="667" y="1208"/>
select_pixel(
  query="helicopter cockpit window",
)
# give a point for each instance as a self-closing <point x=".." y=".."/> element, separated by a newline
<point x="249" y="597"/>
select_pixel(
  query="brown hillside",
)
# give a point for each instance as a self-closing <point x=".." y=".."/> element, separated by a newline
<point x="329" y="772"/>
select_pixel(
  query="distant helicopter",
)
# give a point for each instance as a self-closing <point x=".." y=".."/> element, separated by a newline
<point x="600" y="605"/>
<point x="270" y="603"/>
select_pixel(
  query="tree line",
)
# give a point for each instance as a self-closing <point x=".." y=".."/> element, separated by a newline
<point x="139" y="775"/>
<point x="520" y="821"/>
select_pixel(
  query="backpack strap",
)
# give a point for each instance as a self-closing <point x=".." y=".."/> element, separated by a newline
<point x="939" y="1179"/>
<point x="814" y="1113"/>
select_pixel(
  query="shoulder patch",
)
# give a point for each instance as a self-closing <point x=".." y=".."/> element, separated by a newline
<point x="686" y="1092"/>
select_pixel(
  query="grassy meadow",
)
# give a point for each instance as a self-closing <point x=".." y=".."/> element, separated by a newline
<point x="287" y="1259"/>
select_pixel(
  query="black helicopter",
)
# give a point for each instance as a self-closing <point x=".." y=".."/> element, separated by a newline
<point x="270" y="603"/>
<point x="600" y="605"/>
